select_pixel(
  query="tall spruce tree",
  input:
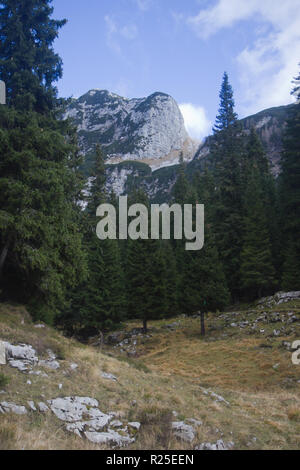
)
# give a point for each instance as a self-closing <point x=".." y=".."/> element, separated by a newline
<point x="226" y="155"/>
<point x="290" y="196"/>
<point x="41" y="255"/>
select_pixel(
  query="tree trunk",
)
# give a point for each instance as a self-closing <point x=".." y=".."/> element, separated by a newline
<point x="3" y="257"/>
<point x="202" y="323"/>
<point x="145" y="329"/>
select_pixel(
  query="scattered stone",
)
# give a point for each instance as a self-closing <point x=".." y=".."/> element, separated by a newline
<point x="276" y="333"/>
<point x="38" y="373"/>
<point x="29" y="382"/>
<point x="287" y="345"/>
<point x="22" y="352"/>
<point x="183" y="431"/>
<point x="106" y="376"/>
<point x="195" y="422"/>
<point x="22" y="366"/>
<point x="116" y="424"/>
<point x="218" y="398"/>
<point x="73" y="366"/>
<point x="32" y="406"/>
<point x="43" y="407"/>
<point x="279" y="298"/>
<point x="220" y="445"/>
<point x="13" y="408"/>
<point x="276" y="366"/>
<point x="60" y="386"/>
<point x="110" y="437"/>
<point x="135" y="425"/>
<point x="49" y="364"/>
<point x="40" y="325"/>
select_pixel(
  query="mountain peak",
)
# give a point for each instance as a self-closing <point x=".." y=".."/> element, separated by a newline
<point x="149" y="129"/>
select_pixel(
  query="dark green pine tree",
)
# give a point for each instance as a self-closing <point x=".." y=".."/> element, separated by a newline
<point x="181" y="187"/>
<point x="99" y="302"/>
<point x="205" y="287"/>
<point x="171" y="280"/>
<point x="255" y="158"/>
<point x="41" y="255"/>
<point x="227" y="116"/>
<point x="181" y="195"/>
<point x="28" y="64"/>
<point x="290" y="197"/>
<point x="226" y="156"/>
<point x="257" y="271"/>
<point x="146" y="275"/>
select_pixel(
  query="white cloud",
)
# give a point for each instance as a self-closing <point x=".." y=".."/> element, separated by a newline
<point x="115" y="33"/>
<point x="196" y="122"/>
<point x="143" y="5"/>
<point x="267" y="65"/>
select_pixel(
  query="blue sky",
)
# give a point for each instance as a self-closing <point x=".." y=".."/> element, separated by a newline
<point x="182" y="47"/>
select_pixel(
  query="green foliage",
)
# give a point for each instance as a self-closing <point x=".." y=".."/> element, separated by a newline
<point x="205" y="287"/>
<point x="40" y="245"/>
<point x="4" y="380"/>
<point x="28" y="64"/>
<point x="257" y="271"/>
<point x="290" y="197"/>
<point x="226" y="156"/>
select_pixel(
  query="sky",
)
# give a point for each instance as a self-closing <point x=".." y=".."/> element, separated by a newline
<point x="182" y="47"/>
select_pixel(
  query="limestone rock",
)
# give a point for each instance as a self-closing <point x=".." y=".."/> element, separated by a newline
<point x="215" y="396"/>
<point x="138" y="129"/>
<point x="13" y="408"/>
<point x="32" y="405"/>
<point x="183" y="431"/>
<point x="72" y="409"/>
<point x="107" y="376"/>
<point x="22" y="366"/>
<point x="2" y="353"/>
<point x="22" y="352"/>
<point x="220" y="445"/>
<point x="134" y="425"/>
<point x="43" y="407"/>
<point x="110" y="438"/>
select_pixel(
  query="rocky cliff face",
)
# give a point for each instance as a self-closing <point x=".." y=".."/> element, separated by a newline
<point x="148" y="129"/>
<point x="269" y="125"/>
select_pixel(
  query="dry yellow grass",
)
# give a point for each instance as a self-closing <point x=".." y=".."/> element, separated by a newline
<point x="170" y="374"/>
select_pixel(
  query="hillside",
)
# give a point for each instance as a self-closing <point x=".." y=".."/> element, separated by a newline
<point x="158" y="182"/>
<point x="269" y="125"/>
<point x="170" y="389"/>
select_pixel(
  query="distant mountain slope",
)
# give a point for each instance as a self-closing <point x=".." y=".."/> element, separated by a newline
<point x="150" y="130"/>
<point x="269" y="124"/>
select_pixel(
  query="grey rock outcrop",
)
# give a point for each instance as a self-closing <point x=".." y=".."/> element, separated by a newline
<point x="9" y="407"/>
<point x="72" y="409"/>
<point x="219" y="445"/>
<point x="109" y="438"/>
<point x="145" y="129"/>
<point x="183" y="431"/>
<point x="22" y="352"/>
